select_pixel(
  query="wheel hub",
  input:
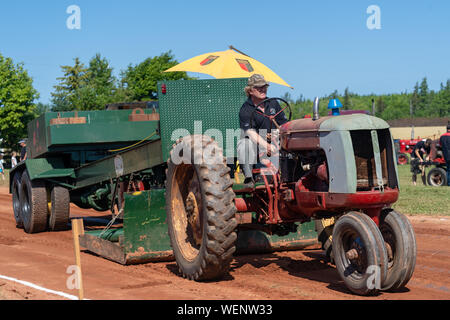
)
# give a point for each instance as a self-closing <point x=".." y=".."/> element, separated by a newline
<point x="193" y="216"/>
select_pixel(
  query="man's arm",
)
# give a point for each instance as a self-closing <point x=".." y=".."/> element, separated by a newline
<point x="245" y="119"/>
<point x="416" y="152"/>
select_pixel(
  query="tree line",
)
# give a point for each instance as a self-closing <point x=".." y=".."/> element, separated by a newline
<point x="93" y="85"/>
<point x="420" y="102"/>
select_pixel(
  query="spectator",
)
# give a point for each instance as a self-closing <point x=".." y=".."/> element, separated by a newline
<point x="445" y="145"/>
<point x="420" y="153"/>
<point x="2" y="169"/>
<point x="13" y="159"/>
<point x="23" y="150"/>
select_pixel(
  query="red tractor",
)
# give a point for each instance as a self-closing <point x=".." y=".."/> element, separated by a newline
<point x="340" y="167"/>
<point x="437" y="175"/>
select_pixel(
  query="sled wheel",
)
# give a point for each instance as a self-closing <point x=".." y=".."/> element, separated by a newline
<point x="33" y="204"/>
<point x="400" y="242"/>
<point x="15" y="187"/>
<point x="60" y="209"/>
<point x="359" y="253"/>
<point x="200" y="209"/>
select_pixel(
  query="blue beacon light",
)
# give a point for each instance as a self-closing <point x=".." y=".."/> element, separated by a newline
<point x="334" y="105"/>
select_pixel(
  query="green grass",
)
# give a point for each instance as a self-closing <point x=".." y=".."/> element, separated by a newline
<point x="420" y="199"/>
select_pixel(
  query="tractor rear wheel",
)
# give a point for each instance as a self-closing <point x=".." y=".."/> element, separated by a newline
<point x="400" y="243"/>
<point x="359" y="253"/>
<point x="60" y="209"/>
<point x="437" y="177"/>
<point x="33" y="204"/>
<point x="15" y="187"/>
<point x="200" y="209"/>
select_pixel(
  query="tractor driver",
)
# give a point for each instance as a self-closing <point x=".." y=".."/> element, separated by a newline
<point x="420" y="153"/>
<point x="255" y="128"/>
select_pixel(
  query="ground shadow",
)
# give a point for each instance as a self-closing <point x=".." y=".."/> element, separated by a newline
<point x="173" y="268"/>
<point x="317" y="269"/>
<point x="97" y="222"/>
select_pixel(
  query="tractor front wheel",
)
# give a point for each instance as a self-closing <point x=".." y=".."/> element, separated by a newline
<point x="359" y="253"/>
<point x="400" y="243"/>
<point x="200" y="208"/>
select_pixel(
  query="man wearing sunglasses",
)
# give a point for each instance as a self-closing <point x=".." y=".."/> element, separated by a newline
<point x="256" y="129"/>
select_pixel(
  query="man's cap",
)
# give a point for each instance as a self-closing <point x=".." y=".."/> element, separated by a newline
<point x="257" y="80"/>
<point x="22" y="141"/>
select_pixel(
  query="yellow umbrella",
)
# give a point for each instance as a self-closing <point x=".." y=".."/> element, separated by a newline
<point x="227" y="64"/>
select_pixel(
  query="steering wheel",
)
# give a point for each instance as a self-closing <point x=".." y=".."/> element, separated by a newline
<point x="271" y="117"/>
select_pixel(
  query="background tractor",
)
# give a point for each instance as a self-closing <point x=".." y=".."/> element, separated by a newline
<point x="167" y="179"/>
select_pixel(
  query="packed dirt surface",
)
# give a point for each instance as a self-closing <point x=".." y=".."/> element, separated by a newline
<point x="43" y="259"/>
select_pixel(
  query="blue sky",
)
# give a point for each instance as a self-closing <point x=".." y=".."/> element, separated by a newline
<point x="315" y="46"/>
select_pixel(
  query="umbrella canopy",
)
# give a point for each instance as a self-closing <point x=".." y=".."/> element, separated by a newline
<point x="227" y="64"/>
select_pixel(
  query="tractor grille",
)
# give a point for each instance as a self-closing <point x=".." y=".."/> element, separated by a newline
<point x="366" y="161"/>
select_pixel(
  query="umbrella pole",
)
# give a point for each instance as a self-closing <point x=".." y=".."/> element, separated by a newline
<point x="238" y="51"/>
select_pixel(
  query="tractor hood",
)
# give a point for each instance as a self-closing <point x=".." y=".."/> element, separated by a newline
<point x="335" y="123"/>
<point x="347" y="141"/>
<point x="304" y="134"/>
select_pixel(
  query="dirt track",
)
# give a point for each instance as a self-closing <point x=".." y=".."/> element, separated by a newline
<point x="43" y="259"/>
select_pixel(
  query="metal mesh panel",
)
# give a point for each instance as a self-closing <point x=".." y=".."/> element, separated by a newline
<point x="214" y="102"/>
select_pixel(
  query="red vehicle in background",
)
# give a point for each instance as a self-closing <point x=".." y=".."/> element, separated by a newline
<point x="405" y="147"/>
<point x="437" y="175"/>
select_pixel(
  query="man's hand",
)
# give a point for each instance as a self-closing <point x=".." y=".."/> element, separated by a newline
<point x="272" y="149"/>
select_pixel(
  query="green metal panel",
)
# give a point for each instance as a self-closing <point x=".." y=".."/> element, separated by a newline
<point x="146" y="235"/>
<point x="145" y="232"/>
<point x="377" y="157"/>
<point x="100" y="132"/>
<point x="255" y="241"/>
<point x="214" y="102"/>
<point x="47" y="168"/>
<point x="112" y="235"/>
<point x="101" y="128"/>
<point x="342" y="168"/>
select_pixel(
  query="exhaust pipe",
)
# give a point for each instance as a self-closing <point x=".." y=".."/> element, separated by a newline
<point x="316" y="109"/>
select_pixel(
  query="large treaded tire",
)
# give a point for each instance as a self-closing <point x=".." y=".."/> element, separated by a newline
<point x="15" y="187"/>
<point x="33" y="201"/>
<point x="207" y="256"/>
<point x="60" y="209"/>
<point x="366" y="274"/>
<point x="399" y="235"/>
